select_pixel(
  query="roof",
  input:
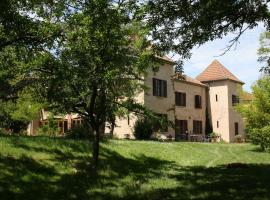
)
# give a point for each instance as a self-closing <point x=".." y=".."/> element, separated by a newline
<point x="216" y="72"/>
<point x="246" y="96"/>
<point x="187" y="79"/>
<point x="166" y="59"/>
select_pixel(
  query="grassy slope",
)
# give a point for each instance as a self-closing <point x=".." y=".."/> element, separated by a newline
<point x="47" y="168"/>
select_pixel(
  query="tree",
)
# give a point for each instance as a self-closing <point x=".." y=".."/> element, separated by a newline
<point x="16" y="114"/>
<point x="264" y="52"/>
<point x="99" y="66"/>
<point x="257" y="114"/>
<point x="179" y="25"/>
<point x="27" y="28"/>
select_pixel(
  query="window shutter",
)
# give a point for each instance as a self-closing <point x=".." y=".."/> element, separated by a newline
<point x="165" y="88"/>
<point x="184" y="101"/>
<point x="177" y="98"/>
<point x="198" y="101"/>
<point x="154" y="87"/>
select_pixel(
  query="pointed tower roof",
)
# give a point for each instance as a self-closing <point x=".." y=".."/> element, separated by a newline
<point x="216" y="72"/>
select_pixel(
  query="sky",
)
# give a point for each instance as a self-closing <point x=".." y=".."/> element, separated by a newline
<point x="241" y="61"/>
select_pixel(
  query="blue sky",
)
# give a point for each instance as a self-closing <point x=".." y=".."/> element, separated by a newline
<point x="242" y="61"/>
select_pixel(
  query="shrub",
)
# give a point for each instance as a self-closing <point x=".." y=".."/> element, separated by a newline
<point x="5" y="131"/>
<point x="260" y="136"/>
<point x="143" y="129"/>
<point x="239" y="138"/>
<point x="80" y="132"/>
<point x="51" y="128"/>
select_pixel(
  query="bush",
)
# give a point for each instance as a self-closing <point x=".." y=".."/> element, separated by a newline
<point x="239" y="138"/>
<point x="80" y="132"/>
<point x="143" y="129"/>
<point x="51" y="128"/>
<point x="260" y="137"/>
<point x="5" y="131"/>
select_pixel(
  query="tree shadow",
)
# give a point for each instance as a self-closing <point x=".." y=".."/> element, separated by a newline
<point x="135" y="176"/>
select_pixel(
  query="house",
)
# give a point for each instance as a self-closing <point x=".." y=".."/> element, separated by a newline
<point x="64" y="122"/>
<point x="189" y="102"/>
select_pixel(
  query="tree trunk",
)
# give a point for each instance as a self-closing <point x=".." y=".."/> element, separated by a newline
<point x="112" y="128"/>
<point x="95" y="148"/>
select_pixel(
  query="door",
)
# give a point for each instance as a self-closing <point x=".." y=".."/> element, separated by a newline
<point x="181" y="129"/>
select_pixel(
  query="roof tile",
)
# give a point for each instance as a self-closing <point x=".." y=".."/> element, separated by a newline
<point x="216" y="71"/>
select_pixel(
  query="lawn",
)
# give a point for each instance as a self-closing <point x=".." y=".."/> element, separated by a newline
<point x="53" y="168"/>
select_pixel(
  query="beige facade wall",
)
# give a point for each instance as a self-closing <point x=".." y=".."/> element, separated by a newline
<point x="189" y="112"/>
<point x="125" y="125"/>
<point x="222" y="111"/>
<point x="161" y="105"/>
<point x="218" y="110"/>
<point x="234" y="88"/>
<point x="33" y="127"/>
<point x="216" y="98"/>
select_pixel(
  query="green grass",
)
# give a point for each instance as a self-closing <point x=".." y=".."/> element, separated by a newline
<point x="50" y="168"/>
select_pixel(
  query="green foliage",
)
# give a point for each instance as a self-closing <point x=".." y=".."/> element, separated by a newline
<point x="99" y="66"/>
<point x="80" y="132"/>
<point x="50" y="128"/>
<point x="264" y="51"/>
<point x="15" y="115"/>
<point x="180" y="25"/>
<point x="143" y="129"/>
<point x="26" y="107"/>
<point x="261" y="137"/>
<point x="257" y="114"/>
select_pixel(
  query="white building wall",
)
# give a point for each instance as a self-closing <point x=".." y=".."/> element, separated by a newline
<point x="218" y="110"/>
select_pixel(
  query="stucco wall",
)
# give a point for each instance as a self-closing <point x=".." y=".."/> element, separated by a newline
<point x="161" y="105"/>
<point x="124" y="126"/>
<point x="219" y="109"/>
<point x="189" y="112"/>
<point x="234" y="89"/>
<point x="223" y="110"/>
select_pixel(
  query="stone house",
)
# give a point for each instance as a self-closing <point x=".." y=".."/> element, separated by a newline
<point x="187" y="102"/>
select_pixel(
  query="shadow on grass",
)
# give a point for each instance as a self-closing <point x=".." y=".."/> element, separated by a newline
<point x="137" y="177"/>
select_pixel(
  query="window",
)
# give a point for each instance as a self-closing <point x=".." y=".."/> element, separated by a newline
<point x="235" y="100"/>
<point x="128" y="119"/>
<point x="181" y="127"/>
<point x="159" y="88"/>
<point x="198" y="101"/>
<point x="180" y="99"/>
<point x="161" y="123"/>
<point x="236" y="128"/>
<point x="216" y="97"/>
<point x="217" y="124"/>
<point x="197" y="127"/>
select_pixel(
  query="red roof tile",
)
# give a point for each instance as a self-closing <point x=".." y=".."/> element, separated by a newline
<point x="216" y="71"/>
<point x="187" y="79"/>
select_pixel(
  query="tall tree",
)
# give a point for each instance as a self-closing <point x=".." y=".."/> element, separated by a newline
<point x="179" y="25"/>
<point x="27" y="28"/>
<point x="264" y="52"/>
<point x="257" y="114"/>
<point x="99" y="66"/>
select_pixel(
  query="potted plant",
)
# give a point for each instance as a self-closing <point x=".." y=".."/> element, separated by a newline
<point x="238" y="138"/>
<point x="214" y="137"/>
